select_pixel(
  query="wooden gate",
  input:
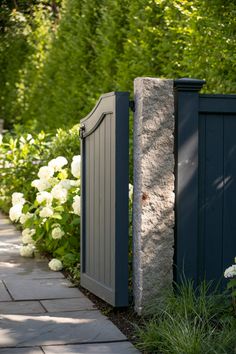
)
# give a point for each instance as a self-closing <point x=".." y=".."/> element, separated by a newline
<point x="206" y="182"/>
<point x="104" y="195"/>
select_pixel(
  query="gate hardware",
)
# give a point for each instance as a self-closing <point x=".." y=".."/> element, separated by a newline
<point x="81" y="131"/>
<point x="132" y="105"/>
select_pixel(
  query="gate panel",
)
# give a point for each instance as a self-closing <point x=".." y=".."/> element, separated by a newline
<point x="217" y="187"/>
<point x="205" y="237"/>
<point x="104" y="189"/>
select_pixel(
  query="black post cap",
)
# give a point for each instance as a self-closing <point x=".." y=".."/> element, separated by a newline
<point x="186" y="84"/>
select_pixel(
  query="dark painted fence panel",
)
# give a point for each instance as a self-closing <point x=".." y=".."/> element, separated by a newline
<point x="104" y="226"/>
<point x="205" y="182"/>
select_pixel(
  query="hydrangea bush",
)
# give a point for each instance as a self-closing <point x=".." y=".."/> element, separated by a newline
<point x="230" y="273"/>
<point x="51" y="222"/>
<point x="22" y="154"/>
<point x="20" y="158"/>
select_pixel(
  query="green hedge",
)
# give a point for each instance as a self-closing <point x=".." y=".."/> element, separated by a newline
<point x="57" y="63"/>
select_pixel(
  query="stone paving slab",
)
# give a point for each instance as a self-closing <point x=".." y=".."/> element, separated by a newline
<point x="46" y="310"/>
<point x="4" y="295"/>
<point x="40" y="289"/>
<point x="54" y="329"/>
<point x="29" y="269"/>
<point x="9" y="248"/>
<point x="105" y="348"/>
<point x="5" y="224"/>
<point x="9" y="234"/>
<point x="62" y="305"/>
<point x="35" y="350"/>
<point x="21" y="307"/>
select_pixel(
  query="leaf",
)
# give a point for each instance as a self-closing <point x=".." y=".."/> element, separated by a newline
<point x="59" y="208"/>
<point x="60" y="251"/>
<point x="57" y="216"/>
<point x="76" y="221"/>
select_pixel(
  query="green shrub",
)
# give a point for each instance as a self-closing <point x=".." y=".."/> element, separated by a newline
<point x="56" y="63"/>
<point x="64" y="143"/>
<point x="51" y="223"/>
<point x="20" y="158"/>
<point x="230" y="273"/>
<point x="22" y="154"/>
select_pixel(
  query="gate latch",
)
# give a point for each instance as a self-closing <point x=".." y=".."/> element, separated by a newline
<point x="81" y="131"/>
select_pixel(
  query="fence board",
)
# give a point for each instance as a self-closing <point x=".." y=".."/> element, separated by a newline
<point x="206" y="224"/>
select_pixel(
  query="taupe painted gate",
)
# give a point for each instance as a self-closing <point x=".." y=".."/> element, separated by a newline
<point x="104" y="195"/>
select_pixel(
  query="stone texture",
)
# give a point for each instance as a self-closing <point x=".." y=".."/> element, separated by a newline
<point x="105" y="348"/>
<point x="4" y="295"/>
<point x="56" y="329"/>
<point x="30" y="268"/>
<point x="39" y="289"/>
<point x="153" y="205"/>
<point x="7" y="247"/>
<point x="34" y="350"/>
<point x="62" y="305"/>
<point x="21" y="307"/>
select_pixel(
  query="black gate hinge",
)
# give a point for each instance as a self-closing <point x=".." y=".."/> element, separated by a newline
<point x="132" y="105"/>
<point x="81" y="131"/>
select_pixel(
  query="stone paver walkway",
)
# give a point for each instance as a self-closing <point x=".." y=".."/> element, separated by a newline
<point x="41" y="311"/>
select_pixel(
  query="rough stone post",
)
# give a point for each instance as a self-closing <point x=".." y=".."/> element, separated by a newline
<point x="153" y="205"/>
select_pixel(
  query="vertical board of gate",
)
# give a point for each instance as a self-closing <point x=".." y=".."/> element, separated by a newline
<point x="104" y="195"/>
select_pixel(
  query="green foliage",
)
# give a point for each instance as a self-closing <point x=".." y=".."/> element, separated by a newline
<point x="53" y="217"/>
<point x="64" y="143"/>
<point x="231" y="286"/>
<point x="63" y="88"/>
<point x="190" y="322"/>
<point x="20" y="158"/>
<point x="22" y="154"/>
<point x="57" y="57"/>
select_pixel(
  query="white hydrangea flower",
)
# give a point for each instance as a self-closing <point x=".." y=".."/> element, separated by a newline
<point x="41" y="184"/>
<point x="15" y="212"/>
<point x="59" y="193"/>
<point x="28" y="232"/>
<point x="58" y="163"/>
<point x="44" y="197"/>
<point x="75" y="183"/>
<point x="25" y="217"/>
<point x="22" y="141"/>
<point x="65" y="183"/>
<point x="57" y="233"/>
<point x="27" y="250"/>
<point x="76" y="205"/>
<point x="131" y="191"/>
<point x="27" y="236"/>
<point x="46" y="212"/>
<point x="29" y="137"/>
<point x="18" y="198"/>
<point x="230" y="272"/>
<point x="45" y="172"/>
<point x="55" y="265"/>
<point x="75" y="166"/>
